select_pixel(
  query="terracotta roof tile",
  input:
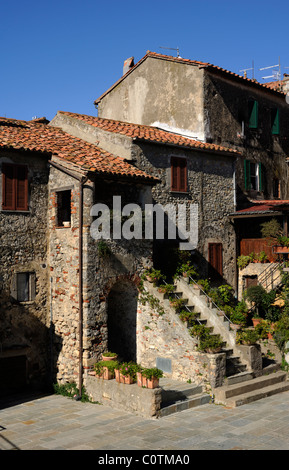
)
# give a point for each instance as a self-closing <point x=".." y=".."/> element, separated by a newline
<point x="147" y="133"/>
<point x="34" y="136"/>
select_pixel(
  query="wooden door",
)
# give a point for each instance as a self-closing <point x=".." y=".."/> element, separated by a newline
<point x="215" y="259"/>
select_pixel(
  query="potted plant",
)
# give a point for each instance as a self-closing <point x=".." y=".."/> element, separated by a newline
<point x="238" y="316"/>
<point x="247" y="336"/>
<point x="211" y="343"/>
<point x="187" y="316"/>
<point x="177" y="303"/>
<point x="154" y="276"/>
<point x="105" y="369"/>
<point x="152" y="377"/>
<point x="128" y="372"/>
<point x="166" y="288"/>
<point x="109" y="356"/>
<point x="243" y="261"/>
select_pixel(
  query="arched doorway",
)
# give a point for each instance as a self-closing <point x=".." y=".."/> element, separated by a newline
<point x="121" y="321"/>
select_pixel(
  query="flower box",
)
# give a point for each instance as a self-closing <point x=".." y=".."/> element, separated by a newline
<point x="278" y="249"/>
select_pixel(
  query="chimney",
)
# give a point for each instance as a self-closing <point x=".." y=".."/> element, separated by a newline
<point x="128" y="64"/>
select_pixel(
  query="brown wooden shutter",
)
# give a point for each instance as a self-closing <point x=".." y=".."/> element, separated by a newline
<point x="178" y="174"/>
<point x="8" y="195"/>
<point x="183" y="174"/>
<point x="14" y="187"/>
<point x="174" y="175"/>
<point x="21" y="183"/>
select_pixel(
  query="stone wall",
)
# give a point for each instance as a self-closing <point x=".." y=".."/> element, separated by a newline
<point x="226" y="104"/>
<point x="122" y="266"/>
<point x="210" y="186"/>
<point x="24" y="326"/>
<point x="163" y="341"/>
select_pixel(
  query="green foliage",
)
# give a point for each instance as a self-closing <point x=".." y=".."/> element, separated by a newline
<point x="271" y="229"/>
<point x="187" y="316"/>
<point x="243" y="261"/>
<point x="151" y="373"/>
<point x="166" y="288"/>
<point x="70" y="390"/>
<point x="281" y="334"/>
<point x="129" y="369"/>
<point x="205" y="285"/>
<point x="155" y="275"/>
<point x="283" y="241"/>
<point x="210" y="343"/>
<point x="262" y="329"/>
<point x="177" y="303"/>
<point x="255" y="294"/>
<point x="111" y="365"/>
<point x="103" y="249"/>
<point x="247" y="336"/>
<point x="239" y="314"/>
<point x="109" y="354"/>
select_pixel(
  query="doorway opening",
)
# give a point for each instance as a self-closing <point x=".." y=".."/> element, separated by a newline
<point x="122" y="320"/>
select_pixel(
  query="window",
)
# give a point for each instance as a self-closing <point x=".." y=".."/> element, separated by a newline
<point x="14" y="187"/>
<point x="63" y="208"/>
<point x="178" y="174"/>
<point x="23" y="288"/>
<point x="254" y="175"/>
<point x="275" y="127"/>
<point x="253" y="114"/>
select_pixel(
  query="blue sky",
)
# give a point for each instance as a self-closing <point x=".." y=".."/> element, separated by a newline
<point x="62" y="55"/>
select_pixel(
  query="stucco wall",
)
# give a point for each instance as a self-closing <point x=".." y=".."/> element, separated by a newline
<point x="160" y="93"/>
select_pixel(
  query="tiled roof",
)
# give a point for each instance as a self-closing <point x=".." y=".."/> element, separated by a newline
<point x="38" y="137"/>
<point x="207" y="65"/>
<point x="264" y="206"/>
<point x="147" y="133"/>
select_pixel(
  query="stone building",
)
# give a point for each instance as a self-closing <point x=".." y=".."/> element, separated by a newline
<point x="55" y="277"/>
<point x="189" y="172"/>
<point x="211" y="104"/>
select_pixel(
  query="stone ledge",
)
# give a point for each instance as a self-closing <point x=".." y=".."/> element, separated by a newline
<point x="132" y="398"/>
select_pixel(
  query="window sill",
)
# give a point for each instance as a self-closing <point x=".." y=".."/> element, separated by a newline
<point x="180" y="192"/>
<point x="62" y="226"/>
<point x="14" y="211"/>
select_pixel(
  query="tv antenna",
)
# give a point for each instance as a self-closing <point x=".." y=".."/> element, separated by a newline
<point x="246" y="70"/>
<point x="172" y="49"/>
<point x="276" y="74"/>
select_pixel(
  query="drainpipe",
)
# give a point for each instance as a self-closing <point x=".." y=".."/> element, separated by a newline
<point x="82" y="180"/>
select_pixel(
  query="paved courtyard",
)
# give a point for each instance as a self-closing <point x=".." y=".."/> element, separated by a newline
<point x="54" y="422"/>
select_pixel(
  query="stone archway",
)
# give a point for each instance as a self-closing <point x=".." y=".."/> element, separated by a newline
<point x="121" y="319"/>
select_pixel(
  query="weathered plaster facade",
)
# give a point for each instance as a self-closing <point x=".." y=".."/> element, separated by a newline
<point x="140" y="97"/>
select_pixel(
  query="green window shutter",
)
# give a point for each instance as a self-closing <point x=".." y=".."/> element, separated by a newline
<point x="253" y="114"/>
<point x="275" y="127"/>
<point x="247" y="174"/>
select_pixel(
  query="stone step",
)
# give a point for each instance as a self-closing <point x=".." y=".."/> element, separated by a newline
<point x="255" y="395"/>
<point x="238" y="378"/>
<point x="186" y="404"/>
<point x="250" y="390"/>
<point x="178" y="396"/>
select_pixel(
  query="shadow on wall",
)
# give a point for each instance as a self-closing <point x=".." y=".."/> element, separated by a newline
<point x="27" y="362"/>
<point x="121" y="322"/>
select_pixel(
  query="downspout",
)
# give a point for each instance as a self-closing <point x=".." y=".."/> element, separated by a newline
<point x="82" y="180"/>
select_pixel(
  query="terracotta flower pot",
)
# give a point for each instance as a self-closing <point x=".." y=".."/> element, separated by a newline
<point x="117" y="375"/>
<point x="107" y="374"/>
<point x="153" y="382"/>
<point x="109" y="358"/>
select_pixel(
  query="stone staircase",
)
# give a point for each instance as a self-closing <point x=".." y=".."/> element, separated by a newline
<point x="241" y="384"/>
<point x="251" y="390"/>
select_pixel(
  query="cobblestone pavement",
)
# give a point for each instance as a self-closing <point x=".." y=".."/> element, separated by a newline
<point x="54" y="422"/>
